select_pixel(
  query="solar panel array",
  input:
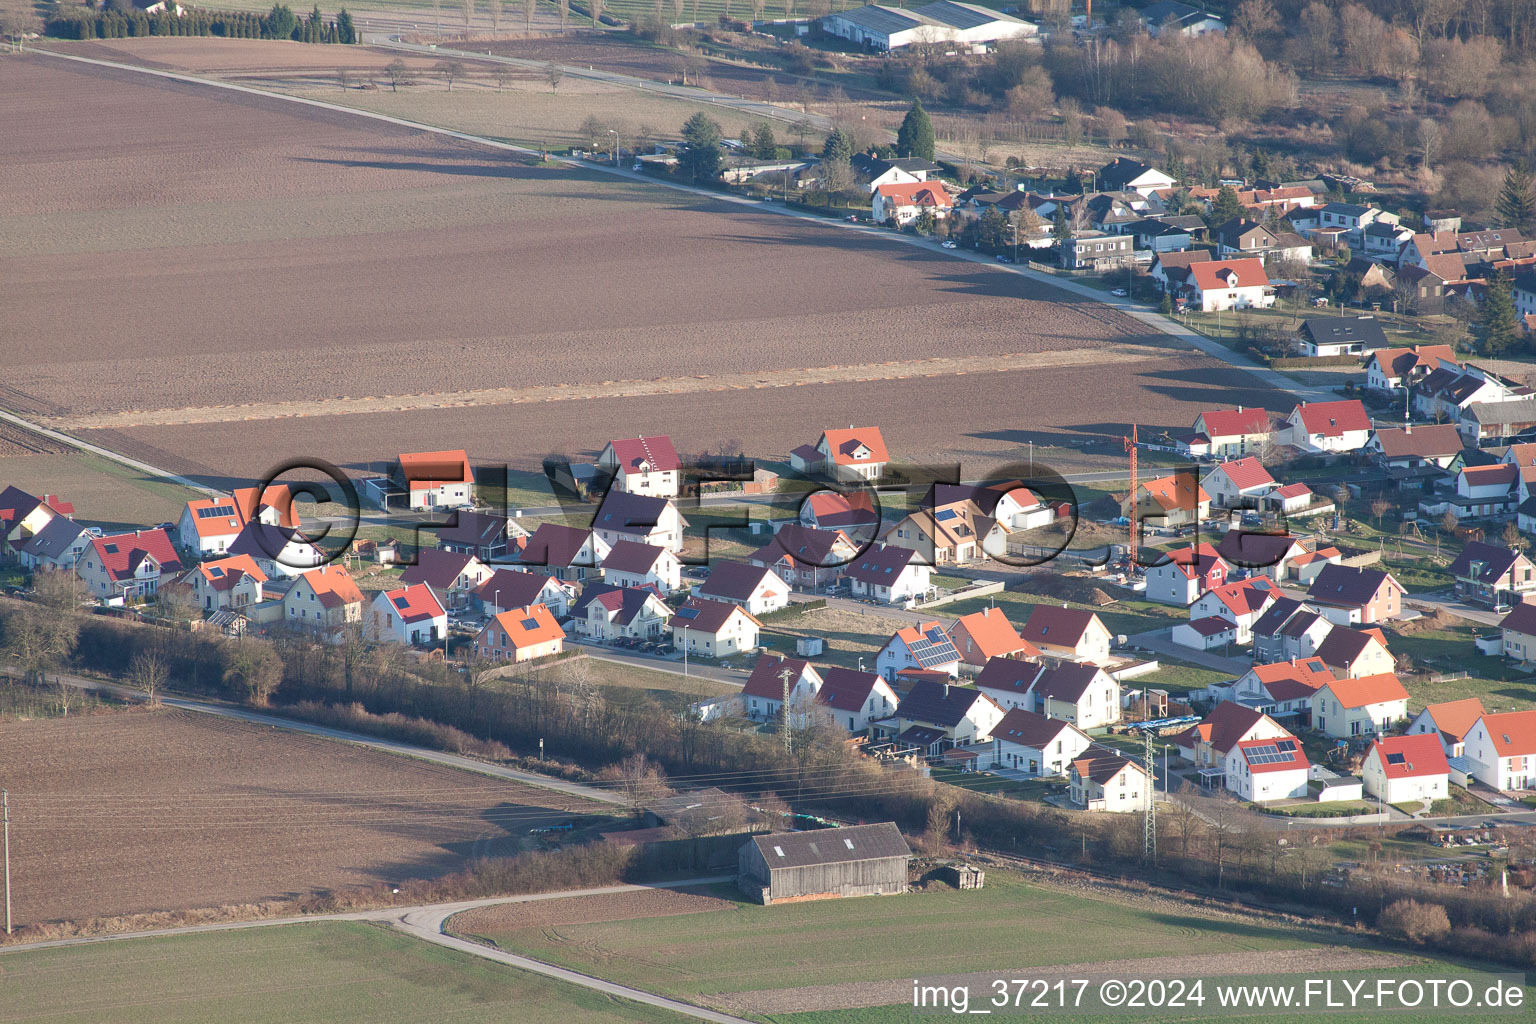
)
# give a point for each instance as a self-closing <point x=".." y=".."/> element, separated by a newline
<point x="216" y="511"/>
<point x="1396" y="759"/>
<point x="687" y="613"/>
<point x="530" y="624"/>
<point x="933" y="648"/>
<point x="402" y="603"/>
<point x="1272" y="753"/>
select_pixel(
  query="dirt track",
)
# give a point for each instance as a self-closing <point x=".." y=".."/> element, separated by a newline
<point x="147" y="811"/>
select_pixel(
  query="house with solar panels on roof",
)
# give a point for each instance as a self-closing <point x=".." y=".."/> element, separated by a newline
<point x="889" y="575"/>
<point x="225" y="583"/>
<point x="643" y="465"/>
<point x="924" y="646"/>
<point x="882" y="28"/>
<point x="1264" y="770"/>
<point x="520" y="634"/>
<point x="1399" y="769"/>
<point x="715" y="629"/>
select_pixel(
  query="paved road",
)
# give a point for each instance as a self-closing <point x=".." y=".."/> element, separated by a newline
<point x="203" y="707"/>
<point x="731" y="676"/>
<point x="426" y="923"/>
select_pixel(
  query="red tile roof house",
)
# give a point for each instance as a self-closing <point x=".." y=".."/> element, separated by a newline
<point x="565" y="552"/>
<point x="715" y="629"/>
<point x="435" y="480"/>
<point x="1240" y="602"/>
<point x="1265" y="770"/>
<point x="1229" y="284"/>
<point x="1284" y="689"/>
<point x="209" y="526"/>
<point x="1346" y="595"/>
<point x="1482" y="492"/>
<point x="1502" y="749"/>
<point x="758" y="590"/>
<point x="889" y="575"/>
<point x="513" y="588"/>
<point x="1328" y="427"/>
<point x="323" y="600"/>
<point x="1403" y="769"/>
<point x="857" y="453"/>
<point x="1207" y="633"/>
<point x="410" y="615"/>
<point x="901" y="204"/>
<point x="1168" y="502"/>
<point x="925" y="646"/>
<point x="828" y="510"/>
<point x="1449" y="722"/>
<point x="1346" y="708"/>
<point x="855" y="700"/>
<point x="233" y="582"/>
<point x="1233" y="433"/>
<point x="453" y="577"/>
<point x="1069" y="633"/>
<point x="643" y="465"/>
<point x="1389" y="369"/>
<point x="640" y="518"/>
<point x="1207" y="743"/>
<point x="128" y="566"/>
<point x="604" y="612"/>
<point x="520" y="634"/>
<point x="762" y="695"/>
<point x="1185" y="575"/>
<point x="1410" y="447"/>
<point x="1238" y="484"/>
<point x="987" y="634"/>
<point x="1296" y="500"/>
<point x="1035" y="745"/>
<point x="630" y="564"/>
<point x="1492" y="575"/>
<point x="808" y="559"/>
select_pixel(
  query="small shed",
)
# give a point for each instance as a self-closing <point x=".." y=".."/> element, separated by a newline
<point x="963" y="876"/>
<point x="860" y="860"/>
<point x="809" y="646"/>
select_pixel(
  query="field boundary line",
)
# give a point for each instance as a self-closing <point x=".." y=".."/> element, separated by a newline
<point x="106" y="453"/>
<point x="1155" y="321"/>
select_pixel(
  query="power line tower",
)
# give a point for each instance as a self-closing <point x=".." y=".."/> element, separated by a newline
<point x="1149" y="840"/>
<point x="1131" y="446"/>
<point x="785" y="675"/>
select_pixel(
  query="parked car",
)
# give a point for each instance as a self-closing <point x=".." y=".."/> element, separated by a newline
<point x="1005" y="259"/>
<point x="1119" y="293"/>
<point x="948" y="244"/>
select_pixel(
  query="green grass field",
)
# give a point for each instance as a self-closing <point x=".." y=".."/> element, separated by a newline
<point x="1009" y="925"/>
<point x="299" y="974"/>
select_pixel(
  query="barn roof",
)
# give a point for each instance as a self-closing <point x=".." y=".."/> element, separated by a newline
<point x="832" y="845"/>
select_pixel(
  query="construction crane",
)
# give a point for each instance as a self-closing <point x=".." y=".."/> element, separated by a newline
<point x="1130" y="446"/>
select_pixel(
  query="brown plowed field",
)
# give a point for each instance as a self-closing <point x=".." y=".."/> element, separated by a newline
<point x="169" y="247"/>
<point x="619" y="906"/>
<point x="149" y="811"/>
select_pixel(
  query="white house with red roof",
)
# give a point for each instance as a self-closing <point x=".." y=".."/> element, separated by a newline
<point x="520" y="634"/>
<point x="857" y="453"/>
<point x="1449" y="721"/>
<point x="1484" y="491"/>
<point x="1502" y="749"/>
<point x="279" y="550"/>
<point x="1010" y="682"/>
<point x="407" y="615"/>
<point x="1105" y="780"/>
<point x="1168" y="502"/>
<point x="1239" y="483"/>
<point x="1187" y="573"/>
<point x="1233" y="433"/>
<point x="1207" y="633"/>
<point x="642" y="518"/>
<point x="1262" y="771"/>
<point x="1296" y="499"/>
<point x="1228" y="284"/>
<point x="1077" y="692"/>
<point x="604" y="612"/>
<point x="631" y="564"/>
<point x="210" y="526"/>
<point x="899" y="204"/>
<point x="1074" y="634"/>
<point x="806" y="558"/>
<point x="855" y="700"/>
<point x="1240" y="602"/>
<point x="436" y="480"/>
<point x="762" y="695"/>
<point x="1207" y="742"/>
<point x="1034" y="744"/>
<point x="852" y="512"/>
<point x="1342" y="426"/>
<point x="1346" y="708"/>
<point x="1283" y="689"/>
<point x="643" y="465"/>
<point x="890" y="575"/>
<point x="757" y="589"/>
<point x="128" y="566"/>
<point x="1399" y="769"/>
<point x="227" y="583"/>
<point x="925" y="646"/>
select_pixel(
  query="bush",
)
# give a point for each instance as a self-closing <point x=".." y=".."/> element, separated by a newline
<point x="1415" y="922"/>
<point x="421" y="732"/>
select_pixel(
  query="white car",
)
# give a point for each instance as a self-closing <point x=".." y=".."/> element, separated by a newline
<point x="948" y="245"/>
<point x="1119" y="293"/>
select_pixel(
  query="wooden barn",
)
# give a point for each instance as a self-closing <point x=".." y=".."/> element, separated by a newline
<point x="861" y="860"/>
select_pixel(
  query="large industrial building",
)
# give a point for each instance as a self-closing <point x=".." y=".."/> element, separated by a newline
<point x="878" y="27"/>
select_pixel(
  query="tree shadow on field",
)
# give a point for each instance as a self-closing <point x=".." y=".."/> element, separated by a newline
<point x="1217" y="387"/>
<point x="1106" y="436"/>
<point x="508" y="170"/>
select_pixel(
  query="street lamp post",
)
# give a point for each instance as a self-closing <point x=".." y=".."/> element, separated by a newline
<point x="685" y="650"/>
<point x="615" y="146"/>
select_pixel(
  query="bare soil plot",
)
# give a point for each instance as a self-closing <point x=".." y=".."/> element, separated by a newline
<point x="160" y="811"/>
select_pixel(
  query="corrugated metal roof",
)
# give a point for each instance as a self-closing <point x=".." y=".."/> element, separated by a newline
<point x="832" y="845"/>
<point x="880" y="20"/>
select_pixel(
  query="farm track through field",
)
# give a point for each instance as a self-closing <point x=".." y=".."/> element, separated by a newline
<point x="891" y="370"/>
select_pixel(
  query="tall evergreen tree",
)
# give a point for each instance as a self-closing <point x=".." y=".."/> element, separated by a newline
<point x="915" y="136"/>
<point x="700" y="158"/>
<point x="838" y="146"/>
<point x="1497" y="328"/>
<point x="346" y="32"/>
<point x="1226" y="206"/>
<point x="764" y="145"/>
<point x="1517" y="200"/>
<point x="1060" y="229"/>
